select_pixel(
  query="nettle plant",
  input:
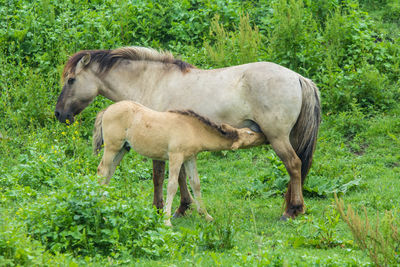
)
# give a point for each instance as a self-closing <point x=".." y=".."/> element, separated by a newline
<point x="84" y="218"/>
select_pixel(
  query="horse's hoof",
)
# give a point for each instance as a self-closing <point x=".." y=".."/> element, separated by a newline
<point x="177" y="215"/>
<point x="284" y="218"/>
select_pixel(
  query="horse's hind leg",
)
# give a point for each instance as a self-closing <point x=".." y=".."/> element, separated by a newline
<point x="158" y="180"/>
<point x="294" y="195"/>
<point x="186" y="197"/>
<point x="111" y="158"/>
<point x="191" y="169"/>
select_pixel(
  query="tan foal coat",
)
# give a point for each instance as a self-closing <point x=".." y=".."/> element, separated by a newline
<point x="177" y="136"/>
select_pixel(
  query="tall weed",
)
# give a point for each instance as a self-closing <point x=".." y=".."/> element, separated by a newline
<point x="293" y="38"/>
<point x="381" y="240"/>
<point x="233" y="48"/>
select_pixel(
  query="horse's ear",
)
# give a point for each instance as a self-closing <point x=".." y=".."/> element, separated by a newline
<point x="85" y="59"/>
<point x="83" y="62"/>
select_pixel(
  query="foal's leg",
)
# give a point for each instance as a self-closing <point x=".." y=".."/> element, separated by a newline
<point x="158" y="180"/>
<point x="175" y="163"/>
<point x="186" y="197"/>
<point x="111" y="158"/>
<point x="294" y="195"/>
<point x="191" y="169"/>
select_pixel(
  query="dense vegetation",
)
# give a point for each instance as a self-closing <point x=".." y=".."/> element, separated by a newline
<point x="54" y="212"/>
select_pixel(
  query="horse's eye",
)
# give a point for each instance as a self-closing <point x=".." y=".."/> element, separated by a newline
<point x="71" y="81"/>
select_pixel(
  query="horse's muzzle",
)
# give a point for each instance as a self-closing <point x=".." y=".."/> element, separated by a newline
<point x="64" y="117"/>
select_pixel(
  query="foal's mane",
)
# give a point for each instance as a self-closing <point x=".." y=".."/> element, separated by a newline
<point x="108" y="58"/>
<point x="227" y="133"/>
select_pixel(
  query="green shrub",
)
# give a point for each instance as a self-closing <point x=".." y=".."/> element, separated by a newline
<point x="350" y="123"/>
<point x="319" y="232"/>
<point x="16" y="248"/>
<point x="86" y="219"/>
<point x="233" y="48"/>
<point x="293" y="39"/>
<point x="356" y="65"/>
<point x="392" y="12"/>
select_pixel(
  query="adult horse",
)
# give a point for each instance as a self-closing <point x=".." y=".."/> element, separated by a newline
<point x="262" y="96"/>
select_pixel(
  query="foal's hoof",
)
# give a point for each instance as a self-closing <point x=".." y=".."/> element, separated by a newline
<point x="168" y="223"/>
<point x="209" y="218"/>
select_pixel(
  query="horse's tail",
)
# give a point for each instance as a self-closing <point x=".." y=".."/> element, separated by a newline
<point x="304" y="133"/>
<point x="98" y="133"/>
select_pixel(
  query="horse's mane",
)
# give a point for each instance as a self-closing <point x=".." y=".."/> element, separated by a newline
<point x="230" y="134"/>
<point x="108" y="58"/>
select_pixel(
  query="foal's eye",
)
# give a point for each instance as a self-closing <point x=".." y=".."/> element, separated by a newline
<point x="71" y="81"/>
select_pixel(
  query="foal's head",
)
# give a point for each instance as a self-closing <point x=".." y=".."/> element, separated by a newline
<point x="246" y="137"/>
<point x="80" y="87"/>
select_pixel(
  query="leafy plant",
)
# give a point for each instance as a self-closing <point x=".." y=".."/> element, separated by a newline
<point x="237" y="47"/>
<point x="274" y="182"/>
<point x="216" y="236"/>
<point x="84" y="219"/>
<point x="321" y="232"/>
<point x="16" y="248"/>
<point x="269" y="183"/>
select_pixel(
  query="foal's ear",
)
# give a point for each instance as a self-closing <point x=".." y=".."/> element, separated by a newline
<point x="83" y="62"/>
<point x="227" y="127"/>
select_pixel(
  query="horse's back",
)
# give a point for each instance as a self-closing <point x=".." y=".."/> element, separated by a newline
<point x="274" y="94"/>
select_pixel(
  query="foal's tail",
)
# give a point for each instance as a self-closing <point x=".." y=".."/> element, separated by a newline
<point x="98" y="133"/>
<point x="304" y="133"/>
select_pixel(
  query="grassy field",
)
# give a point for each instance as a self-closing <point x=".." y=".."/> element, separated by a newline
<point x="52" y="210"/>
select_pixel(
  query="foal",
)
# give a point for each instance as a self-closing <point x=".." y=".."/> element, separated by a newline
<point x="176" y="136"/>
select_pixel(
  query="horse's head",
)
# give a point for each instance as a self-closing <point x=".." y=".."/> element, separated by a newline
<point x="80" y="88"/>
<point x="248" y="138"/>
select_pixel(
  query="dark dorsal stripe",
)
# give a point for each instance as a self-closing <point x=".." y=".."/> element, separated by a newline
<point x="230" y="134"/>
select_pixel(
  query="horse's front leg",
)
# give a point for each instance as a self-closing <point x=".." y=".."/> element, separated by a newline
<point x="158" y="180"/>
<point x="175" y="163"/>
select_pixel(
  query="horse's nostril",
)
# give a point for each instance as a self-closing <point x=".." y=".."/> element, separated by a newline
<point x="57" y="114"/>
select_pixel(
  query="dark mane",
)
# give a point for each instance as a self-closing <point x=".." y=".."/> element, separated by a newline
<point x="230" y="134"/>
<point x="108" y="58"/>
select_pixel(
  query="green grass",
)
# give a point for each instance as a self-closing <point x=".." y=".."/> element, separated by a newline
<point x="258" y="237"/>
<point x="53" y="212"/>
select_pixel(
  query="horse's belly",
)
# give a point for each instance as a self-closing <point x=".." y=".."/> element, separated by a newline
<point x="149" y="147"/>
<point x="157" y="154"/>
